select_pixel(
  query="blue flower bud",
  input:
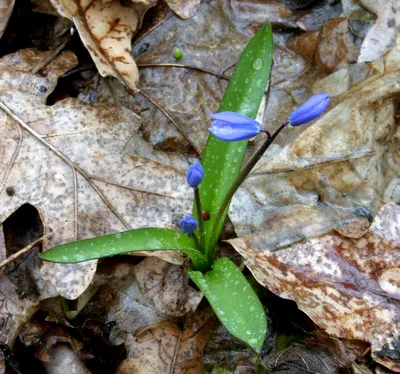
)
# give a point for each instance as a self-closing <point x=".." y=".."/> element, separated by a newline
<point x="194" y="175"/>
<point x="310" y="110"/>
<point x="231" y="126"/>
<point x="188" y="224"/>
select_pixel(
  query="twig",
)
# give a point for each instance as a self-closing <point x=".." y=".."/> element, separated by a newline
<point x="20" y="252"/>
<point x="65" y="159"/>
<point x="176" y="351"/>
<point x="203" y="70"/>
<point x="50" y="58"/>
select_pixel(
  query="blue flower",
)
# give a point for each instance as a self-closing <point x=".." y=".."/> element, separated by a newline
<point x="231" y="126"/>
<point x="195" y="174"/>
<point x="310" y="110"/>
<point x="188" y="224"/>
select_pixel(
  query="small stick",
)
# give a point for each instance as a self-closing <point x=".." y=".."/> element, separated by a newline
<point x="20" y="252"/>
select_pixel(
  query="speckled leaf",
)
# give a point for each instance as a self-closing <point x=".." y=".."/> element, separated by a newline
<point x="6" y="8"/>
<point x="167" y="348"/>
<point x="119" y="191"/>
<point x="234" y="301"/>
<point x="141" y="240"/>
<point x="106" y="29"/>
<point x="347" y="286"/>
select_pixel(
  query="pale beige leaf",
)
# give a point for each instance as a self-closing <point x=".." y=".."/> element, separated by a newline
<point x="337" y="281"/>
<point x="166" y="286"/>
<point x="106" y="29"/>
<point x="382" y="36"/>
<point x="6" y="8"/>
<point x="116" y="192"/>
<point x="184" y="8"/>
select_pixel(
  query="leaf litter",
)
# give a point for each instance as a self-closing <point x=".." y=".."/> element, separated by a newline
<point x="147" y="145"/>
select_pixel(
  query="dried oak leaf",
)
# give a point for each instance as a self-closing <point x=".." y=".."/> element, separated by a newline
<point x="347" y="286"/>
<point x="99" y="190"/>
<point x="169" y="349"/>
<point x="184" y="8"/>
<point x="6" y="8"/>
<point x="106" y="29"/>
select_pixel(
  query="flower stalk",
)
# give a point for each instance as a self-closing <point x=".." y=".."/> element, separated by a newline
<point x="236" y="184"/>
<point x="199" y="217"/>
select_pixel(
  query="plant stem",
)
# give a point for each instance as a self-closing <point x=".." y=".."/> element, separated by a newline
<point x="199" y="217"/>
<point x="236" y="184"/>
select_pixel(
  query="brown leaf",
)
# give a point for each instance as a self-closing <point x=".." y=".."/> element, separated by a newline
<point x="106" y="191"/>
<point x="308" y="359"/>
<point x="184" y="8"/>
<point x="341" y="283"/>
<point x="166" y="286"/>
<point x="6" y="8"/>
<point x="330" y="47"/>
<point x="106" y="29"/>
<point x="168" y="349"/>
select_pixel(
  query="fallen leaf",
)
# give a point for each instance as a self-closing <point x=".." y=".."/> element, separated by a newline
<point x="106" y="29"/>
<point x="184" y="8"/>
<point x="169" y="349"/>
<point x="166" y="286"/>
<point x="6" y="9"/>
<point x="382" y="36"/>
<point x="340" y="283"/>
<point x="330" y="47"/>
<point x="106" y="191"/>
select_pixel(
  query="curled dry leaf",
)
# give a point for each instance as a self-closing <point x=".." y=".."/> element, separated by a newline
<point x="106" y="28"/>
<point x="101" y="191"/>
<point x="6" y="8"/>
<point x="166" y="286"/>
<point x="347" y="286"/>
<point x="169" y="349"/>
<point x="184" y="8"/>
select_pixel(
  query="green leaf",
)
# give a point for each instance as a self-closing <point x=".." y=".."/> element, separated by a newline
<point x="234" y="301"/>
<point x="222" y="160"/>
<point x="149" y="239"/>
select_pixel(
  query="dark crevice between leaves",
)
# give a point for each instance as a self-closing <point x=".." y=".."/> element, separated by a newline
<point x="20" y="229"/>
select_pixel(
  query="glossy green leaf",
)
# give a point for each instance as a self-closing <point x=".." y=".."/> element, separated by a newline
<point x="234" y="301"/>
<point x="222" y="160"/>
<point x="149" y="239"/>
